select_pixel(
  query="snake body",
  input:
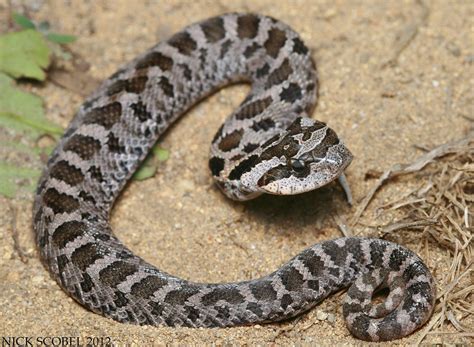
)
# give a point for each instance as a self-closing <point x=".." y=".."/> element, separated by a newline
<point x="268" y="145"/>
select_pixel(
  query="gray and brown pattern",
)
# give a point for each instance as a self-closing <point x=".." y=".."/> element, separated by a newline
<point x="268" y="145"/>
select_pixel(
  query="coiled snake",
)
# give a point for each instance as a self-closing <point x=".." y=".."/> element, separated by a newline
<point x="268" y="145"/>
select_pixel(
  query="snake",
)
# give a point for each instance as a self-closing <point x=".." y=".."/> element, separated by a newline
<point x="268" y="145"/>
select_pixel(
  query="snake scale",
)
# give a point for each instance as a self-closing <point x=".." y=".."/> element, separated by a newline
<point x="268" y="145"/>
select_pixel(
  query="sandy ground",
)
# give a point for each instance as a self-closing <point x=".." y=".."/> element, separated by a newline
<point x="393" y="75"/>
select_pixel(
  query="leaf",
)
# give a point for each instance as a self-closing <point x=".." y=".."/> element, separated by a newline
<point x="146" y="170"/>
<point x="61" y="38"/>
<point x="24" y="54"/>
<point x="161" y="153"/>
<point x="23" y="111"/>
<point x="23" y="21"/>
<point x="11" y="176"/>
<point x="150" y="165"/>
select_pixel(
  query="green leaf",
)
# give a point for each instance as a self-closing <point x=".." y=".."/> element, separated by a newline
<point x="23" y="21"/>
<point x="161" y="153"/>
<point x="23" y="111"/>
<point x="147" y="170"/>
<point x="11" y="177"/>
<point x="24" y="54"/>
<point x="150" y="165"/>
<point x="60" y="38"/>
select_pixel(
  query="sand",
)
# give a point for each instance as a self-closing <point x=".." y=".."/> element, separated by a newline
<point x="393" y="76"/>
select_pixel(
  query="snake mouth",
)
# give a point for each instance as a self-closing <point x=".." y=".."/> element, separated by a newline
<point x="287" y="181"/>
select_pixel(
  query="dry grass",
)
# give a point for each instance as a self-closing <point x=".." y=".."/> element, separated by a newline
<point x="440" y="210"/>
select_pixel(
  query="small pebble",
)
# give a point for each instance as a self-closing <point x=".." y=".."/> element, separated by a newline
<point x="321" y="315"/>
<point x="331" y="318"/>
<point x="37" y="279"/>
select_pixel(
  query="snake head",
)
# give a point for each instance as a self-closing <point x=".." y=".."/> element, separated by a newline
<point x="307" y="156"/>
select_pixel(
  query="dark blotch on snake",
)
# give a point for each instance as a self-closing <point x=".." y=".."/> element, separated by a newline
<point x="86" y="197"/>
<point x="147" y="286"/>
<point x="292" y="279"/>
<point x="85" y="255"/>
<point x="314" y="264"/>
<point x="166" y="87"/>
<point x="216" y="165"/>
<point x="270" y="141"/>
<point x="291" y="93"/>
<point x="250" y="50"/>
<point x="116" y="272"/>
<point x="183" y="42"/>
<point x="336" y="253"/>
<point x="95" y="173"/>
<point x="179" y="297"/>
<point x="187" y="74"/>
<point x="287" y="146"/>
<point x="213" y="29"/>
<point x="264" y="124"/>
<point x="299" y="47"/>
<point x="250" y="147"/>
<point x="279" y="75"/>
<point x="225" y="48"/>
<point x="275" y="173"/>
<point x="113" y="142"/>
<point x="84" y="146"/>
<point x="70" y="174"/>
<point x="62" y="262"/>
<point x="255" y="308"/>
<point x="254" y="108"/>
<point x="286" y="301"/>
<point x="276" y="40"/>
<point x="230" y="295"/>
<point x="140" y="111"/>
<point x="231" y="141"/>
<point x="247" y="26"/>
<point x="67" y="232"/>
<point x="263" y="71"/>
<point x="397" y="258"/>
<point x="377" y="251"/>
<point x="120" y="299"/>
<point x="243" y="167"/>
<point x="263" y="291"/>
<point x="60" y="202"/>
<point x="106" y="115"/>
<point x="155" y="59"/>
<point x="134" y="85"/>
<point x="86" y="284"/>
<point x="314" y="285"/>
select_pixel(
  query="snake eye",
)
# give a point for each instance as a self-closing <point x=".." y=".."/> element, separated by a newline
<point x="297" y="165"/>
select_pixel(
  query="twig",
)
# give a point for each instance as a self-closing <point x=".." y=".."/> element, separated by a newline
<point x="342" y="224"/>
<point x="238" y="244"/>
<point x="455" y="281"/>
<point x="451" y="333"/>
<point x="16" y="242"/>
<point x="434" y="321"/>
<point x="406" y="225"/>
<point x="418" y="164"/>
